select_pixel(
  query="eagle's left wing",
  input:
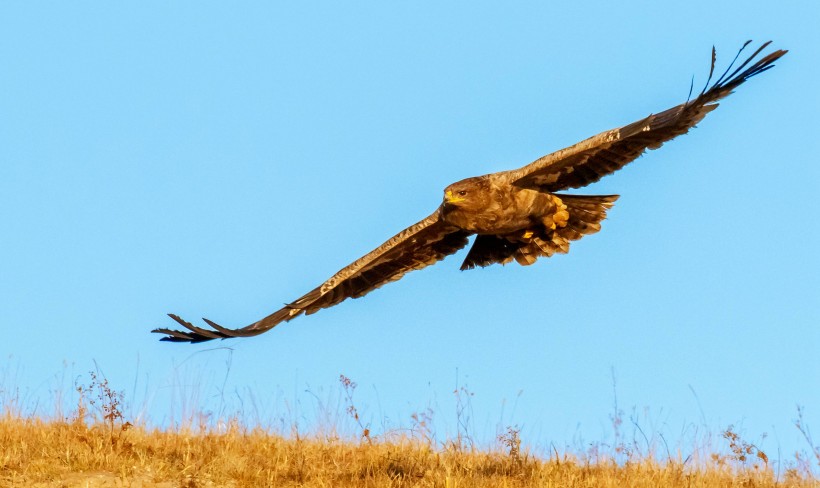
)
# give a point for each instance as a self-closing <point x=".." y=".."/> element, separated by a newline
<point x="416" y="247"/>
<point x="591" y="159"/>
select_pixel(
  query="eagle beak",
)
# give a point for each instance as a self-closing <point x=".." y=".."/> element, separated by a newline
<point x="450" y="198"/>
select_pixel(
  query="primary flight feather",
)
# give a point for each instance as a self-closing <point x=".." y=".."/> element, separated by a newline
<point x="515" y="214"/>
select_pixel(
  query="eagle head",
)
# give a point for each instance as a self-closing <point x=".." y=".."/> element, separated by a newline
<point x="469" y="194"/>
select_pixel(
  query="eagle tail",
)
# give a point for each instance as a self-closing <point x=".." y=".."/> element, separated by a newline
<point x="585" y="216"/>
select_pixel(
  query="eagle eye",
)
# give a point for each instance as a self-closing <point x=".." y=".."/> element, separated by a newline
<point x="462" y="193"/>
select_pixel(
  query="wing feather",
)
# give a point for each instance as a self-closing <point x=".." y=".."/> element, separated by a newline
<point x="416" y="247"/>
<point x="593" y="158"/>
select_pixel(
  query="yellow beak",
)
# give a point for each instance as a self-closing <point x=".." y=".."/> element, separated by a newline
<point x="450" y="198"/>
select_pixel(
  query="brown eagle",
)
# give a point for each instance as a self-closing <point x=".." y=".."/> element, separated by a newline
<point x="515" y="214"/>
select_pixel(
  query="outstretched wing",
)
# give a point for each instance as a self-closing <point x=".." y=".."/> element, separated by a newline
<point x="591" y="159"/>
<point x="415" y="247"/>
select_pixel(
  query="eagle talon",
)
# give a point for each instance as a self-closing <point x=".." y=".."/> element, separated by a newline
<point x="561" y="216"/>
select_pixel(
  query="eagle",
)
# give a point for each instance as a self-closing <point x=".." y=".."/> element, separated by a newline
<point x="516" y="215"/>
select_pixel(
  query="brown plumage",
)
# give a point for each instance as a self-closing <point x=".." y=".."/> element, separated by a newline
<point x="515" y="214"/>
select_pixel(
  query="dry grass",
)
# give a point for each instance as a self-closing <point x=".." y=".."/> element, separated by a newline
<point x="36" y="453"/>
<point x="95" y="446"/>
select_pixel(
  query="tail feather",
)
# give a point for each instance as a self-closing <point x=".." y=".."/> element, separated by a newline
<point x="585" y="216"/>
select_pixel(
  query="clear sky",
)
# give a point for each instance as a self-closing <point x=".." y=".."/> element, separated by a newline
<point x="220" y="159"/>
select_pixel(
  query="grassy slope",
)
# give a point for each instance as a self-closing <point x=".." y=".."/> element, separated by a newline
<point x="38" y="453"/>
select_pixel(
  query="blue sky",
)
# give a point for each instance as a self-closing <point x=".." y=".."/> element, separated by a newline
<point x="219" y="160"/>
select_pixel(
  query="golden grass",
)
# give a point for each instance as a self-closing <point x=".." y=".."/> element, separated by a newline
<point x="40" y="453"/>
<point x="94" y="446"/>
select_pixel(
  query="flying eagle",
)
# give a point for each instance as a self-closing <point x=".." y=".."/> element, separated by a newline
<point x="516" y="214"/>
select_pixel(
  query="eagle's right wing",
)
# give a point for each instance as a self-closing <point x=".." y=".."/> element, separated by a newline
<point x="416" y="247"/>
<point x="591" y="159"/>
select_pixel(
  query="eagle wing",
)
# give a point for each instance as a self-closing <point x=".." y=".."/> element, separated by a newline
<point x="416" y="247"/>
<point x="591" y="159"/>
